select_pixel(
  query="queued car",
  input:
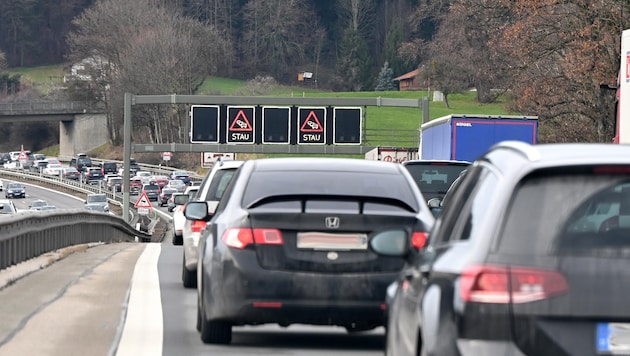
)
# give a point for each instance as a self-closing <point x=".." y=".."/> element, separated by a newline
<point x="1" y="185"/>
<point x="52" y="169"/>
<point x="91" y="175"/>
<point x="152" y="191"/>
<point x="513" y="265"/>
<point x="210" y="192"/>
<point x="114" y="184"/>
<point x="283" y="240"/>
<point x="7" y="207"/>
<point x="15" y="190"/>
<point x="145" y="176"/>
<point x="176" y="184"/>
<point x="165" y="195"/>
<point x="160" y="180"/>
<point x="135" y="185"/>
<point x="177" y="204"/>
<point x="434" y="177"/>
<point x="109" y="168"/>
<point x="81" y="161"/>
<point x="70" y="173"/>
<point x="97" y="202"/>
<point x="181" y="175"/>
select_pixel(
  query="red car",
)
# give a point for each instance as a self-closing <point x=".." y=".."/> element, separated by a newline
<point x="160" y="180"/>
<point x="135" y="185"/>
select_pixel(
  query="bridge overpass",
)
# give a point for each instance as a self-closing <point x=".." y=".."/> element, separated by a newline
<point x="82" y="127"/>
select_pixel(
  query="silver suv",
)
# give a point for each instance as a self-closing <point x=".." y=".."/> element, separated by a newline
<point x="211" y="190"/>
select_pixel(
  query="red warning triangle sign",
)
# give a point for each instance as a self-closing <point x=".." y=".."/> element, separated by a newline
<point x="22" y="156"/>
<point x="312" y="123"/>
<point x="241" y="122"/>
<point x="143" y="201"/>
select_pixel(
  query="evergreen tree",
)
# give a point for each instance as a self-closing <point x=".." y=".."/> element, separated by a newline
<point x="354" y="63"/>
<point x="385" y="79"/>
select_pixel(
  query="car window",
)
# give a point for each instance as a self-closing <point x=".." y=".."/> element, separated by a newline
<point x="348" y="183"/>
<point x="435" y="178"/>
<point x="594" y="218"/>
<point x="218" y="184"/>
<point x="452" y="213"/>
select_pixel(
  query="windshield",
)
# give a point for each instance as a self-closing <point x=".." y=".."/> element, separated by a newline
<point x="435" y="178"/>
<point x="97" y="198"/>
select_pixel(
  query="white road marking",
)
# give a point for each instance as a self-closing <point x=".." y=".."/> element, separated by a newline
<point x="143" y="330"/>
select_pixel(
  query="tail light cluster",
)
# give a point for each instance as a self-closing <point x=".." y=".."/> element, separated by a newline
<point x="197" y="225"/>
<point x="419" y="239"/>
<point x="502" y="284"/>
<point x="243" y="237"/>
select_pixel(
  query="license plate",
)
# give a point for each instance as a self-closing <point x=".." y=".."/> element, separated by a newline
<point x="337" y="242"/>
<point x="613" y="338"/>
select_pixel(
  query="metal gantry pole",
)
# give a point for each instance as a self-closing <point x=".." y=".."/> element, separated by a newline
<point x="127" y="156"/>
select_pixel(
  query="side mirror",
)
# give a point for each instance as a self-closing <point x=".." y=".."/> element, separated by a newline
<point x="196" y="210"/>
<point x="180" y="199"/>
<point x="394" y="243"/>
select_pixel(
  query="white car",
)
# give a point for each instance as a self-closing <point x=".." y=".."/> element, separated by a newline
<point x="178" y="213"/>
<point x="145" y="176"/>
<point x="211" y="190"/>
<point x="7" y="207"/>
<point x="53" y="169"/>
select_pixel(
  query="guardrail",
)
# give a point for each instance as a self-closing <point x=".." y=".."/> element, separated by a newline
<point x="28" y="234"/>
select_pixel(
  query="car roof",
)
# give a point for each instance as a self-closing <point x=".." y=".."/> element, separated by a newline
<point x="434" y="161"/>
<point x="508" y="153"/>
<point x="324" y="163"/>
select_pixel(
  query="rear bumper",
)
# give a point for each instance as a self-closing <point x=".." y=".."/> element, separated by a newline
<point x="247" y="294"/>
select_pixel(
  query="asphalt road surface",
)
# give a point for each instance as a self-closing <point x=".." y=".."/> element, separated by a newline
<point x="128" y="299"/>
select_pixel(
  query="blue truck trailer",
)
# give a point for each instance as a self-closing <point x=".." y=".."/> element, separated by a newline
<point x="466" y="137"/>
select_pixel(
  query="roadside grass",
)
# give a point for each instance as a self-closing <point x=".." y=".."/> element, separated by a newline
<point x="40" y="75"/>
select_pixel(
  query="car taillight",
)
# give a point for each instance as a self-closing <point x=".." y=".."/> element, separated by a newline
<point x="242" y="237"/>
<point x="502" y="284"/>
<point x="419" y="239"/>
<point x="197" y="225"/>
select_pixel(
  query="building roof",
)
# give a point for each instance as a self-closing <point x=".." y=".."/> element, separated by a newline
<point x="409" y="75"/>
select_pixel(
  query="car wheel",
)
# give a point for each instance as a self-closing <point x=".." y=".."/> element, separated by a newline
<point x="189" y="278"/>
<point x="215" y="332"/>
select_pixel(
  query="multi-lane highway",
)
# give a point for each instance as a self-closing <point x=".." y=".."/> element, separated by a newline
<point x="127" y="299"/>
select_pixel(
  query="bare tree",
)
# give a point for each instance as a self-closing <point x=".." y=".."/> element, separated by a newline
<point x="277" y="35"/>
<point x="149" y="51"/>
<point x="564" y="51"/>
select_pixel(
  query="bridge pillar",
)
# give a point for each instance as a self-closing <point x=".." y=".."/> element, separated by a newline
<point x="85" y="133"/>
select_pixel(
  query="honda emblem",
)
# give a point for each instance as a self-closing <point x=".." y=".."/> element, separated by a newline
<point x="332" y="222"/>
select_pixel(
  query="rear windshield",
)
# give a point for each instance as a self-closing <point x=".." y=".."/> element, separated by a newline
<point x="359" y="184"/>
<point x="84" y="161"/>
<point x="569" y="214"/>
<point x="435" y="178"/>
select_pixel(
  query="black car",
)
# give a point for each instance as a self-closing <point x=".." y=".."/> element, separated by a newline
<point x="152" y="191"/>
<point x="529" y="257"/>
<point x="15" y="190"/>
<point x="288" y="243"/>
<point x="92" y="175"/>
<point x="434" y="177"/>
